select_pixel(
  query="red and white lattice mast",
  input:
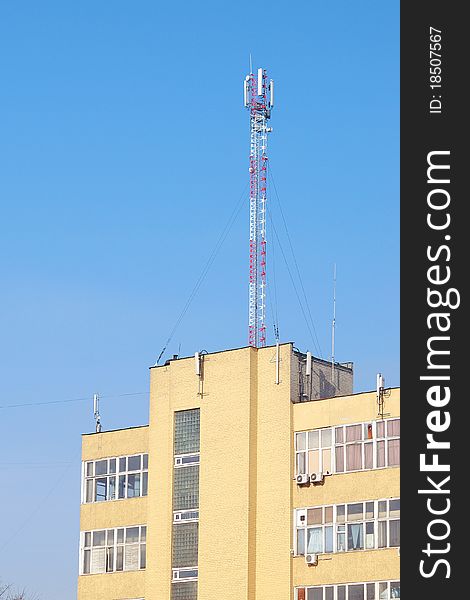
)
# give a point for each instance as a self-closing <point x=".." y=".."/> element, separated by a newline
<point x="259" y="100"/>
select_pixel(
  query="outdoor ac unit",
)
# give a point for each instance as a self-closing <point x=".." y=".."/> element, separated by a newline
<point x="317" y="477"/>
<point x="311" y="559"/>
<point x="302" y="479"/>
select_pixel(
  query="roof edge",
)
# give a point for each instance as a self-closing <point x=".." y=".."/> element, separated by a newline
<point x="114" y="430"/>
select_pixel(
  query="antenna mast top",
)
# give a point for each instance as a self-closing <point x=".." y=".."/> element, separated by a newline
<point x="259" y="101"/>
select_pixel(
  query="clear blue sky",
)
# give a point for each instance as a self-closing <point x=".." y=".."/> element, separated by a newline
<point x="123" y="150"/>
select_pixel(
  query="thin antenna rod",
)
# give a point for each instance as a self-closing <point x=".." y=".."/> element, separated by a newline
<point x="96" y="412"/>
<point x="333" y="326"/>
<point x="251" y="65"/>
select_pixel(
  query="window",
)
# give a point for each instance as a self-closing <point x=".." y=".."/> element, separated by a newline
<point x="110" y="550"/>
<point x="314" y="451"/>
<point x="185" y="515"/>
<point x="185" y="505"/>
<point x="348" y="527"/>
<point x="186" y="459"/>
<point x="383" y="590"/>
<point x="115" y="478"/>
<point x="184" y="574"/>
<point x="185" y="590"/>
<point x="186" y="488"/>
<point x="185" y="545"/>
<point x="346" y="448"/>
<point x="187" y="427"/>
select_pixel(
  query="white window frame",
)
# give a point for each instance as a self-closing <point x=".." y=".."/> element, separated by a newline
<point x="142" y="541"/>
<point x="186" y="460"/>
<point x="116" y="475"/>
<point x="335" y="524"/>
<point x="335" y="587"/>
<point x="333" y="471"/>
<point x="178" y="574"/>
<point x="186" y="516"/>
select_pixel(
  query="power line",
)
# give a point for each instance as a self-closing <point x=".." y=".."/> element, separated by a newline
<point x="292" y="278"/>
<point x="40" y="504"/>
<point x="273" y="306"/>
<point x="69" y="400"/>
<point x="40" y="463"/>
<point x="275" y="291"/>
<point x="34" y="466"/>
<point x="205" y="270"/>
<point x="295" y="260"/>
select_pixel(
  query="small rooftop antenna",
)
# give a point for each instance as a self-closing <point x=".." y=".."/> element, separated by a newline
<point x="96" y="412"/>
<point x="333" y="326"/>
<point x="380" y="393"/>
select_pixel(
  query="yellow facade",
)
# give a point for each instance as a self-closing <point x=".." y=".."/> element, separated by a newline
<point x="371" y="565"/>
<point x="247" y="489"/>
<point x="104" y="515"/>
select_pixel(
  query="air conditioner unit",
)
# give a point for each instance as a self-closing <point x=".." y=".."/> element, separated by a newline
<point x="302" y="479"/>
<point x="317" y="477"/>
<point x="311" y="559"/>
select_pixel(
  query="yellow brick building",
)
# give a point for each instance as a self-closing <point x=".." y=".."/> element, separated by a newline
<point x="247" y="484"/>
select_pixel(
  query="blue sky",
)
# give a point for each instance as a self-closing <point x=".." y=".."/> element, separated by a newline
<point x="123" y="151"/>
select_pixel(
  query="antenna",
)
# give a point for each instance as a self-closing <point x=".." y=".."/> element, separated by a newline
<point x="278" y="360"/>
<point x="258" y="97"/>
<point x="333" y="327"/>
<point x="380" y="384"/>
<point x="96" y="412"/>
<point x="308" y="366"/>
<point x="380" y="393"/>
